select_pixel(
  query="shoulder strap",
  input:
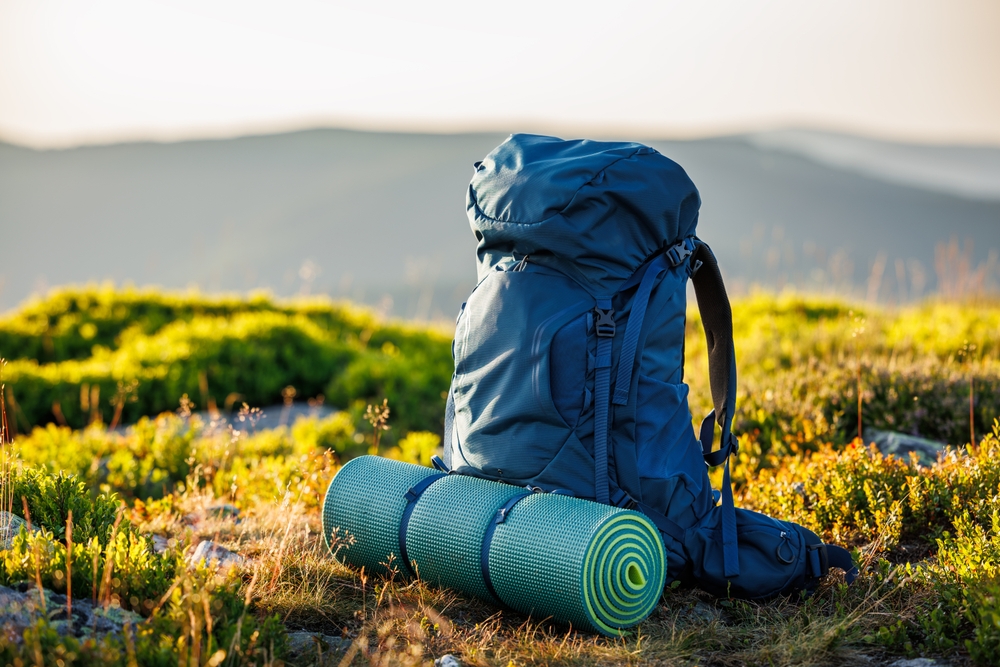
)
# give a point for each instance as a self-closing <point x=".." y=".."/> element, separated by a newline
<point x="717" y="318"/>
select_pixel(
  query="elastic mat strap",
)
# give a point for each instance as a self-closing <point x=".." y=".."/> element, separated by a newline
<point x="484" y="553"/>
<point x="412" y="496"/>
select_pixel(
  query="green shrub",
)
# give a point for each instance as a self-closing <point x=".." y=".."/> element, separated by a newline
<point x="144" y="462"/>
<point x="417" y="447"/>
<point x="415" y="384"/>
<point x="336" y="432"/>
<point x="84" y="354"/>
<point x="69" y="322"/>
<point x="50" y="498"/>
<point x="789" y="410"/>
<point x="857" y="494"/>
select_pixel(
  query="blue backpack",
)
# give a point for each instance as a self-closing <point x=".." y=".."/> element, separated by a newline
<point x="569" y="358"/>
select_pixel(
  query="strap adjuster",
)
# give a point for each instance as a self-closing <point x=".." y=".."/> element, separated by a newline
<point x="605" y="323"/>
<point x="679" y="252"/>
<point x="819" y="563"/>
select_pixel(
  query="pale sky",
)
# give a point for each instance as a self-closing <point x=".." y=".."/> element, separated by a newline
<point x="110" y="70"/>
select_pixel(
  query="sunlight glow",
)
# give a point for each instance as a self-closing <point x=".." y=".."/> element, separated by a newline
<point x="116" y="69"/>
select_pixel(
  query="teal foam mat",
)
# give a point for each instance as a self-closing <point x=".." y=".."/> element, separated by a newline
<point x="596" y="567"/>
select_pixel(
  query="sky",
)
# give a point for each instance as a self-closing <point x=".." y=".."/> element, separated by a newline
<point x="113" y="70"/>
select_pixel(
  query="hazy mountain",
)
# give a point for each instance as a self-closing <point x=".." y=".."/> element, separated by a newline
<point x="966" y="171"/>
<point x="365" y="215"/>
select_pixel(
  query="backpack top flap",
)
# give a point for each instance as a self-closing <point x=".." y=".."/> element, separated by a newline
<point x="594" y="210"/>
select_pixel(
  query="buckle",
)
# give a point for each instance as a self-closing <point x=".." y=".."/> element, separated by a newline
<point x="605" y="323"/>
<point x="734" y="445"/>
<point x="679" y="252"/>
<point x="818" y="559"/>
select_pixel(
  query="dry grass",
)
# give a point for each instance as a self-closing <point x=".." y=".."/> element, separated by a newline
<point x="393" y="621"/>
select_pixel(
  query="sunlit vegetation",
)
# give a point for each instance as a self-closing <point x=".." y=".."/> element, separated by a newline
<point x="121" y="480"/>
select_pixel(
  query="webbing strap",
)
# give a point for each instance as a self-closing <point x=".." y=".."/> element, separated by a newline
<point x="717" y="317"/>
<point x="727" y="445"/>
<point x="626" y="361"/>
<point x="449" y="425"/>
<point x="484" y="552"/>
<point x="602" y="404"/>
<point x="412" y="496"/>
<point x="730" y="546"/>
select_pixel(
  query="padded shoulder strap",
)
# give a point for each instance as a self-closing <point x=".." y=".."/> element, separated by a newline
<point x="717" y="318"/>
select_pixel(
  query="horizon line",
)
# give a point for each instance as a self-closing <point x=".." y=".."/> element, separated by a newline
<point x="646" y="132"/>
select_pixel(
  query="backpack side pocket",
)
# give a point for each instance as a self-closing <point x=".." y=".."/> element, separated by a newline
<point x="775" y="556"/>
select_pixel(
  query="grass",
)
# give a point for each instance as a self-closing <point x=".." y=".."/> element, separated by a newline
<point x="928" y="538"/>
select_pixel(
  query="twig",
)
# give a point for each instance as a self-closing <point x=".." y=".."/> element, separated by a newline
<point x="109" y="562"/>
<point x="69" y="567"/>
<point x="36" y="557"/>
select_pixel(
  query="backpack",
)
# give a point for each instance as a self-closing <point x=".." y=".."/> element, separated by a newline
<point x="569" y="358"/>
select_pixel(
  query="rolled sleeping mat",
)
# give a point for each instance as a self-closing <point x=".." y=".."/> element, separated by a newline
<point x="594" y="566"/>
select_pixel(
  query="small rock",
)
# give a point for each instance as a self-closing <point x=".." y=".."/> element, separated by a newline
<point x="901" y="444"/>
<point x="214" y="555"/>
<point x="702" y="613"/>
<point x="20" y="609"/>
<point x="918" y="662"/>
<point x="160" y="543"/>
<point x="16" y="614"/>
<point x="310" y="648"/>
<point x="222" y="510"/>
<point x="10" y="525"/>
<point x="447" y="660"/>
<point x="300" y="643"/>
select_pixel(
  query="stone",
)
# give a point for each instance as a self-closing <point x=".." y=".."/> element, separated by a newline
<point x="901" y="444"/>
<point x="447" y="660"/>
<point x="918" y="662"/>
<point x="311" y="648"/>
<point x="214" y="555"/>
<point x="702" y="613"/>
<point x="222" y="510"/>
<point x="160" y="543"/>
<point x="10" y="525"/>
<point x="19" y="609"/>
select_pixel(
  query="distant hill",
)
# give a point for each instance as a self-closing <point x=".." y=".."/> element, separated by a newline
<point x="374" y="215"/>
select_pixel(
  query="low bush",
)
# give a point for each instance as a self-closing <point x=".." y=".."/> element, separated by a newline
<point x="248" y="358"/>
<point x="160" y="455"/>
<point x="69" y="322"/>
<point x="858" y="494"/>
<point x="50" y="497"/>
<point x="792" y="410"/>
<point x="188" y="611"/>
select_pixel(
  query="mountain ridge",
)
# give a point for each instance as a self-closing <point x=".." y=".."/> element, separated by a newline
<point x="374" y="216"/>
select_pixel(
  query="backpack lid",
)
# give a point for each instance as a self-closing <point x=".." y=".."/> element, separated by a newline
<point x="595" y="210"/>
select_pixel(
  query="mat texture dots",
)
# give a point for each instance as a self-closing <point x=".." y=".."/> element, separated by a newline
<point x="596" y="567"/>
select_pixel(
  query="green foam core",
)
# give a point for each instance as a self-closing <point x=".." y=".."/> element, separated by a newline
<point x="634" y="575"/>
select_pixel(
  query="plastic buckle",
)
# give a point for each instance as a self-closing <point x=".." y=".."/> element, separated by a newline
<point x="734" y="445"/>
<point x="678" y="253"/>
<point x="818" y="559"/>
<point x="605" y="323"/>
